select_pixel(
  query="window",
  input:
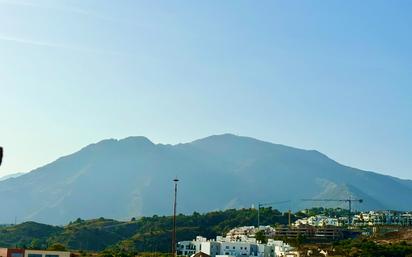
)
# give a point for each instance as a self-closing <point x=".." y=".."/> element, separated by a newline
<point x="52" y="255"/>
<point x="227" y="247"/>
<point x="233" y="247"/>
<point x="16" y="255"/>
<point x="35" y="255"/>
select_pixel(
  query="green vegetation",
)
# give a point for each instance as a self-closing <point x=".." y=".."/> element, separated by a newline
<point x="94" y="235"/>
<point x="260" y="236"/>
<point x="30" y="235"/>
<point x="157" y="229"/>
<point x="151" y="236"/>
<point x="57" y="247"/>
<point x="368" y="248"/>
<point x="146" y="234"/>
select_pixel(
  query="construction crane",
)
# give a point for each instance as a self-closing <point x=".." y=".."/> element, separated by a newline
<point x="349" y="201"/>
<point x="260" y="205"/>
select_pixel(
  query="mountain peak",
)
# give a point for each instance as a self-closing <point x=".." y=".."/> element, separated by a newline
<point x="136" y="140"/>
<point x="132" y="140"/>
<point x="226" y="137"/>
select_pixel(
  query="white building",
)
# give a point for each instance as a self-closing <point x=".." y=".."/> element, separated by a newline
<point x="250" y="231"/>
<point x="200" y="244"/>
<point x="234" y="246"/>
<point x="321" y="221"/>
<point x="372" y="218"/>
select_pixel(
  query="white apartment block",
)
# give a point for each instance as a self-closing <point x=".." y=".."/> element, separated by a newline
<point x="235" y="246"/>
<point x="370" y="218"/>
<point x="321" y="221"/>
<point x="383" y="218"/>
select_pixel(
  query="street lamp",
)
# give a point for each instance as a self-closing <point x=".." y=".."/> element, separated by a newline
<point x="174" y="219"/>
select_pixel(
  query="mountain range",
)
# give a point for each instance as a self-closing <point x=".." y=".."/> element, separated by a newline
<point x="133" y="177"/>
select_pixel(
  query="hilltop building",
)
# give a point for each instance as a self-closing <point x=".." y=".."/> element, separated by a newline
<point x="322" y="221"/>
<point x="371" y="218"/>
<point x="250" y="231"/>
<point x="374" y="218"/>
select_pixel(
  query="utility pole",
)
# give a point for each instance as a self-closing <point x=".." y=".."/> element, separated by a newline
<point x="174" y="220"/>
<point x="289" y="218"/>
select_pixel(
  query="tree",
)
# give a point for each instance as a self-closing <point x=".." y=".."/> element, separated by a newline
<point x="300" y="239"/>
<point x="260" y="236"/>
<point x="78" y="220"/>
<point x="35" y="244"/>
<point x="57" y="247"/>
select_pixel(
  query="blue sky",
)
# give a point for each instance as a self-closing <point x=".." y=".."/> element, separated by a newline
<point x="327" y="75"/>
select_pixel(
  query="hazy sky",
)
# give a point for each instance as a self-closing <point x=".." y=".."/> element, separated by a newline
<point x="328" y="75"/>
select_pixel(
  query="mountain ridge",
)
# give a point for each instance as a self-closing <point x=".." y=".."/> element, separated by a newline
<point x="12" y="175"/>
<point x="132" y="177"/>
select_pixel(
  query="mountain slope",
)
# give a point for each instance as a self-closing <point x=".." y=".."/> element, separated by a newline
<point x="131" y="177"/>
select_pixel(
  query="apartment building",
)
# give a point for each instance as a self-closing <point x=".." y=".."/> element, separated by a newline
<point x="234" y="246"/>
<point x="322" y="221"/>
<point x="329" y="233"/>
<point x="374" y="218"/>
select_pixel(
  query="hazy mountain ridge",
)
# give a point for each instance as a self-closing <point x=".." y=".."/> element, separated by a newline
<point x="13" y="175"/>
<point x="131" y="177"/>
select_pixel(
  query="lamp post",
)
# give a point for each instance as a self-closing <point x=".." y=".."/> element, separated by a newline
<point x="174" y="219"/>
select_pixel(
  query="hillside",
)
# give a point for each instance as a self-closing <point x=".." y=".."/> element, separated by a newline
<point x="132" y="177"/>
<point x="144" y="234"/>
<point x="29" y="234"/>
